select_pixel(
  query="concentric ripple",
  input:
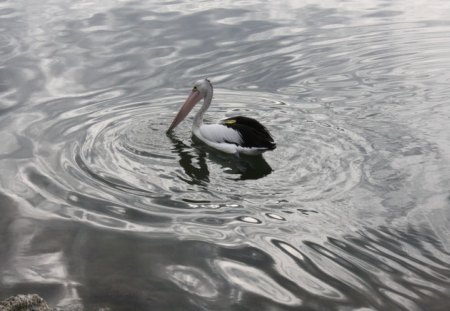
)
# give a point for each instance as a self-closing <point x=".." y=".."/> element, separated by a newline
<point x="121" y="153"/>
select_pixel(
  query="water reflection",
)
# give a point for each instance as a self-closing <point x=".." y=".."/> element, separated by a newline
<point x="187" y="156"/>
<point x="194" y="162"/>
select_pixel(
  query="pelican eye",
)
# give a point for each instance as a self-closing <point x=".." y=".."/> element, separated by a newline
<point x="194" y="88"/>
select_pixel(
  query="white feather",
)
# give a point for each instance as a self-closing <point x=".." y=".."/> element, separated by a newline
<point x="224" y="139"/>
<point x="219" y="134"/>
<point x="216" y="135"/>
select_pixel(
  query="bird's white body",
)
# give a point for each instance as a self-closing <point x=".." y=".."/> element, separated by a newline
<point x="224" y="139"/>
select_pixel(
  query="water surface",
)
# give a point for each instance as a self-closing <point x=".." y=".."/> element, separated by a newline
<point x="100" y="208"/>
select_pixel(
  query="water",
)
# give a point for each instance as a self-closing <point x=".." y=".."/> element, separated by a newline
<point x="100" y="208"/>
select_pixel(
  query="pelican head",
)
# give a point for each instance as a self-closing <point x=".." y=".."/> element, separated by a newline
<point x="201" y="89"/>
<point x="204" y="86"/>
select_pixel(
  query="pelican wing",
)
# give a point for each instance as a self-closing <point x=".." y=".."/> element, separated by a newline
<point x="253" y="133"/>
<point x="219" y="133"/>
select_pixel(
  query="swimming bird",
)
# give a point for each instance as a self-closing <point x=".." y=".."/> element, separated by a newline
<point x="236" y="135"/>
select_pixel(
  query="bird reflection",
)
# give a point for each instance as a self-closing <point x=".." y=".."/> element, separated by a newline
<point x="199" y="173"/>
<point x="195" y="166"/>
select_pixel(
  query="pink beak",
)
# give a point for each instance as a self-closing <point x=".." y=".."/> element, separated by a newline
<point x="190" y="102"/>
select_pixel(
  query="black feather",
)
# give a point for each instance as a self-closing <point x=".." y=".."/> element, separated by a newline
<point x="253" y="133"/>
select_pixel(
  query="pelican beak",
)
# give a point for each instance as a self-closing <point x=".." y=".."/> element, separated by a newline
<point x="190" y="102"/>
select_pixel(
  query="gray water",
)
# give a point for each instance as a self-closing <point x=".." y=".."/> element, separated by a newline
<point x="100" y="208"/>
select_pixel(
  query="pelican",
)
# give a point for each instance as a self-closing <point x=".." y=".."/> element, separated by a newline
<point x="236" y="135"/>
